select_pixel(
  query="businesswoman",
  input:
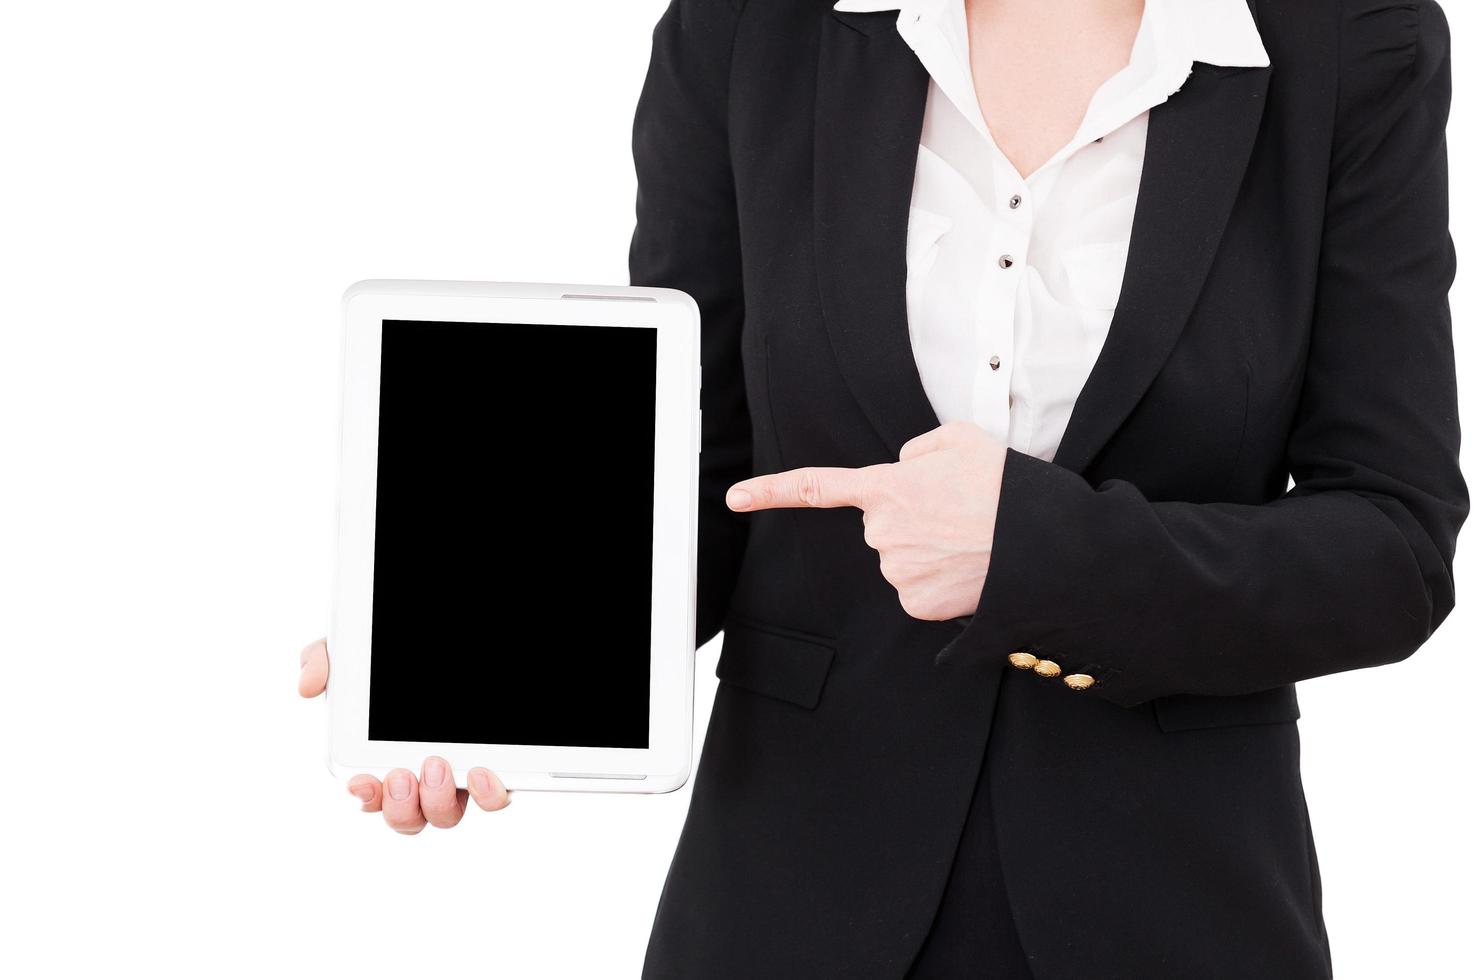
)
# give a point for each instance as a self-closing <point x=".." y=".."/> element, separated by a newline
<point x="1018" y="318"/>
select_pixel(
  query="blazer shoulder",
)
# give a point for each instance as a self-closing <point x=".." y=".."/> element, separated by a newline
<point x="1392" y="54"/>
<point x="1385" y="42"/>
<point x="1372" y="41"/>
<point x="704" y="21"/>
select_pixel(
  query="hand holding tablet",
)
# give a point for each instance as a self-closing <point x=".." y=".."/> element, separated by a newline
<point x="409" y="801"/>
<point x="516" y="542"/>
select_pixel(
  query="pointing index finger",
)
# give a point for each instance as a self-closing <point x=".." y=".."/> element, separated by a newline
<point x="806" y="486"/>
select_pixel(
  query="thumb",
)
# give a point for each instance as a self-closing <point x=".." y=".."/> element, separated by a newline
<point x="313" y="680"/>
<point x="941" y="437"/>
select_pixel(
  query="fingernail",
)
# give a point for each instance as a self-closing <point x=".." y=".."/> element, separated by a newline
<point x="481" y="784"/>
<point x="399" y="785"/>
<point x="738" y="499"/>
<point x="363" y="791"/>
<point x="434" y="773"/>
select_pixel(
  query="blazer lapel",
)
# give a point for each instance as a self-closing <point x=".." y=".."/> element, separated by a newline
<point x="1198" y="143"/>
<point x="870" y="103"/>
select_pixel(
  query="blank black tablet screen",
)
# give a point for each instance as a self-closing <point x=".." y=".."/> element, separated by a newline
<point x="511" y="593"/>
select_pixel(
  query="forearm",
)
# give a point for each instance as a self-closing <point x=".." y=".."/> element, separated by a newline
<point x="1154" y="598"/>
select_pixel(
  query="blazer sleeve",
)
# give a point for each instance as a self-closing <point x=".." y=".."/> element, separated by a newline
<point x="1352" y="566"/>
<point x="685" y="237"/>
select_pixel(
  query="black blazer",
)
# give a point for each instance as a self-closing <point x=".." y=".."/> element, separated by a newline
<point x="1284" y="313"/>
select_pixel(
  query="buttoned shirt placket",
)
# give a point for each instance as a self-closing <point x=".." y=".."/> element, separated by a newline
<point x="1011" y="202"/>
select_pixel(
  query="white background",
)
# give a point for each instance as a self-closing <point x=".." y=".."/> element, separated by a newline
<point x="190" y="187"/>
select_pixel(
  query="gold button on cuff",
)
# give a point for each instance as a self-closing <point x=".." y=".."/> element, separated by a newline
<point x="1079" y="681"/>
<point x="1022" y="659"/>
<point x="1047" y="668"/>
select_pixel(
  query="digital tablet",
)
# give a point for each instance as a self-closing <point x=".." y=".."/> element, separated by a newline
<point x="516" y="555"/>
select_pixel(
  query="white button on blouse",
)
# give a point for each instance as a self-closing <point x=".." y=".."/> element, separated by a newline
<point x="1012" y="283"/>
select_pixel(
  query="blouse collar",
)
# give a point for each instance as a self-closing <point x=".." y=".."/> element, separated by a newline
<point x="1172" y="35"/>
<point x="1218" y="32"/>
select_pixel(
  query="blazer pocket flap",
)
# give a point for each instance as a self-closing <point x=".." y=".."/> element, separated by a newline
<point x="1177" y="712"/>
<point x="779" y="663"/>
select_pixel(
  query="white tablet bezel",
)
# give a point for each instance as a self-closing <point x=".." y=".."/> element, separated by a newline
<point x="665" y="765"/>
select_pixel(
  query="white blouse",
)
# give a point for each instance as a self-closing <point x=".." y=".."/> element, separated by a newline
<point x="1012" y="282"/>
